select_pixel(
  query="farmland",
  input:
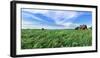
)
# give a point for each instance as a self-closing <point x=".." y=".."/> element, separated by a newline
<point x="37" y="38"/>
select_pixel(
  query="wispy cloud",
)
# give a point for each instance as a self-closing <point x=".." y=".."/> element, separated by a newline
<point x="50" y="19"/>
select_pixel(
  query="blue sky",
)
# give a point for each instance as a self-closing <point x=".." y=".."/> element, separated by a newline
<point x="54" y="19"/>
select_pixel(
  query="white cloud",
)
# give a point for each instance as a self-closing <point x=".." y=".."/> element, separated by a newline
<point x="58" y="16"/>
<point x="26" y="24"/>
<point x="64" y="18"/>
<point x="35" y="10"/>
<point x="30" y="25"/>
<point x="30" y="15"/>
<point x="70" y="25"/>
<point x="61" y="17"/>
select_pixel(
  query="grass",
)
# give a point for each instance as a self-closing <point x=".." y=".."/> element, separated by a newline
<point x="37" y="38"/>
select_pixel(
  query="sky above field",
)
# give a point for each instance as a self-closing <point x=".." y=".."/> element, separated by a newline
<point x="54" y="19"/>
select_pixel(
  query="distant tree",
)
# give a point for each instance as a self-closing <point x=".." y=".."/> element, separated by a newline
<point x="77" y="28"/>
<point x="42" y="28"/>
<point x="81" y="27"/>
<point x="90" y="27"/>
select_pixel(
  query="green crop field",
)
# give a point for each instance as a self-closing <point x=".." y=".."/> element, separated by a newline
<point x="37" y="38"/>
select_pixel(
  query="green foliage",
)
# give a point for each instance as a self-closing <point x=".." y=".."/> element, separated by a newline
<point x="35" y="38"/>
<point x="90" y="28"/>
